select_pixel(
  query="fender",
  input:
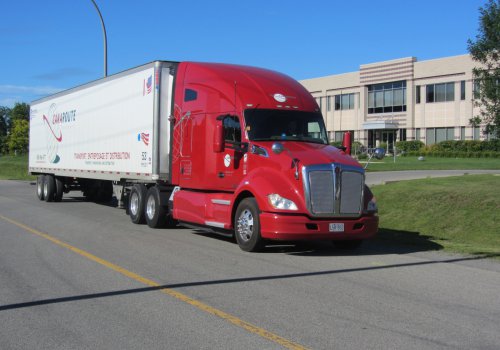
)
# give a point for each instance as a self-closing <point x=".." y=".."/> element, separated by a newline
<point x="261" y="184"/>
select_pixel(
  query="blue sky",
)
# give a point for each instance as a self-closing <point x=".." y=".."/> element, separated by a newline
<point x="50" y="45"/>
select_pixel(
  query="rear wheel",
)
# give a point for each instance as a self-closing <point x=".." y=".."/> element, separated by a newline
<point x="155" y="213"/>
<point x="40" y="184"/>
<point x="59" y="190"/>
<point x="247" y="226"/>
<point x="136" y="203"/>
<point x="49" y="188"/>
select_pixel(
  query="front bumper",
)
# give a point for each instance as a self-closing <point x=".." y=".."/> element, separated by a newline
<point x="300" y="227"/>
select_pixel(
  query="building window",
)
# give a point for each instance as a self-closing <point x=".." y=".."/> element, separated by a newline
<point x="476" y="133"/>
<point x="338" y="136"/>
<point x="417" y="134"/>
<point x="387" y="97"/>
<point x="475" y="89"/>
<point x="320" y="102"/>
<point x="462" y="133"/>
<point x="344" y="101"/>
<point x="440" y="92"/>
<point x="402" y="134"/>
<point x="436" y="135"/>
<point x="417" y="94"/>
<point x="329" y="103"/>
<point x="462" y="90"/>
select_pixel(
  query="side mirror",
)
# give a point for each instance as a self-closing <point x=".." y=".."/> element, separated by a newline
<point x="219" y="138"/>
<point x="379" y="153"/>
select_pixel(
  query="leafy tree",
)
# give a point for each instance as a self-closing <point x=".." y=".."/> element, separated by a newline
<point x="4" y="128"/>
<point x="486" y="50"/>
<point x="20" y="111"/>
<point x="18" y="138"/>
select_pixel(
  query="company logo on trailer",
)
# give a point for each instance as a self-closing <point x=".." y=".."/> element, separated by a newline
<point x="143" y="137"/>
<point x="147" y="86"/>
<point x="53" y="132"/>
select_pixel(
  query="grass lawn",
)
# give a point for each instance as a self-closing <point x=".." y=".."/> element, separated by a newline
<point x="459" y="214"/>
<point x="14" y="168"/>
<point x="412" y="163"/>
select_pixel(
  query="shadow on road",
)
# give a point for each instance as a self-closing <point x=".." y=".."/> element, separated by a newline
<point x="230" y="281"/>
<point x="387" y="241"/>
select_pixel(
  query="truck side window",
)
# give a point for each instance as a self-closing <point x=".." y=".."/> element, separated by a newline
<point x="190" y="95"/>
<point x="232" y="129"/>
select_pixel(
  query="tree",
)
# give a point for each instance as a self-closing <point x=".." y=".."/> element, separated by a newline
<point x="4" y="128"/>
<point x="18" y="138"/>
<point x="486" y="51"/>
<point x="20" y="111"/>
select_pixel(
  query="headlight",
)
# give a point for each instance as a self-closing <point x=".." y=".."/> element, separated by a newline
<point x="278" y="202"/>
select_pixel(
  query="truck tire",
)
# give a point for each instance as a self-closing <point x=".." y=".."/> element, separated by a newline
<point x="59" y="190"/>
<point x="247" y="226"/>
<point x="155" y="213"/>
<point x="49" y="188"/>
<point x="136" y="203"/>
<point x="40" y="184"/>
<point x="348" y="245"/>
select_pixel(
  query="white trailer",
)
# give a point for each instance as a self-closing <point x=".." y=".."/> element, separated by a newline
<point x="114" y="129"/>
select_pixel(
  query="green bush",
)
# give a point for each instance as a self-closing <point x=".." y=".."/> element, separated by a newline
<point x="336" y="144"/>
<point x="409" y="146"/>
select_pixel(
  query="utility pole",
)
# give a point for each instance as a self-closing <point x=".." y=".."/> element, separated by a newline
<point x="105" y="40"/>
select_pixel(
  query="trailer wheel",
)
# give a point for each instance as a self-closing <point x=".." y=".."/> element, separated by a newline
<point x="348" y="245"/>
<point x="59" y="190"/>
<point x="247" y="226"/>
<point x="156" y="214"/>
<point x="40" y="184"/>
<point x="136" y="203"/>
<point x="49" y="188"/>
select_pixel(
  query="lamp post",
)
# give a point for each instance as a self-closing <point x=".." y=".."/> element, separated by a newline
<point x="105" y="40"/>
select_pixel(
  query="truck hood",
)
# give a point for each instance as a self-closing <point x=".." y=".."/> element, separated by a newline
<point x="309" y="153"/>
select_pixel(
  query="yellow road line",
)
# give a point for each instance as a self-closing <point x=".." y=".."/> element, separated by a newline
<point x="182" y="297"/>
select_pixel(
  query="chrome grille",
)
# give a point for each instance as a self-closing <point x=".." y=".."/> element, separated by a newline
<point x="351" y="189"/>
<point x="333" y="190"/>
<point x="321" y="185"/>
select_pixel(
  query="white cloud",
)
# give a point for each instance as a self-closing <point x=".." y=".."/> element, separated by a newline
<point x="32" y="90"/>
<point x="10" y="101"/>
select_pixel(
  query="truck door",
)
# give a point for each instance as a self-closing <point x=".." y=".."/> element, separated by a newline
<point x="231" y="164"/>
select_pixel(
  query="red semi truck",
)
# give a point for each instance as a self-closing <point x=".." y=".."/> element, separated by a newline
<point x="227" y="148"/>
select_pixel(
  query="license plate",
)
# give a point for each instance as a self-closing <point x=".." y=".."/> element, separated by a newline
<point x="337" y="227"/>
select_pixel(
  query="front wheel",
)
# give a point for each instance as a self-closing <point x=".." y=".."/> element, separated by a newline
<point x="247" y="226"/>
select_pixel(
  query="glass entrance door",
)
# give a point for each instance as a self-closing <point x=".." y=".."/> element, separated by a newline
<point x="389" y="137"/>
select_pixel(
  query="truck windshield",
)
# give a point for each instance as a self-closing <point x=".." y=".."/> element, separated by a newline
<point x="273" y="124"/>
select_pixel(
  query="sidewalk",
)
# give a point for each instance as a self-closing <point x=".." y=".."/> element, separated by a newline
<point x="382" y="177"/>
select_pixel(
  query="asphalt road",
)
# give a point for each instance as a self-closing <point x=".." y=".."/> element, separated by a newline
<point x="78" y="275"/>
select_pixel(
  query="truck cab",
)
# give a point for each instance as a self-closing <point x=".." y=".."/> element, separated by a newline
<point x="250" y="154"/>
